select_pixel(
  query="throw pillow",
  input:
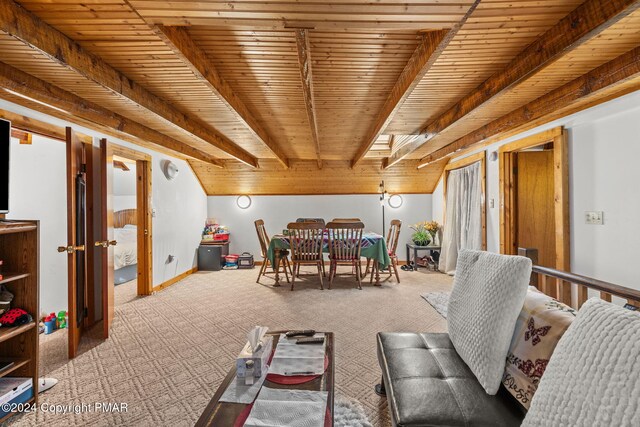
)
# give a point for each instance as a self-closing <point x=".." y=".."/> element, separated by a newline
<point x="541" y="324"/>
<point x="487" y="296"/>
<point x="592" y="377"/>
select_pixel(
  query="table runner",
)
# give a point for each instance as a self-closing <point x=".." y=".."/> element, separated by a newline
<point x="373" y="246"/>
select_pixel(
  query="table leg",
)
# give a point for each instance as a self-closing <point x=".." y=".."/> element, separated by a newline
<point x="408" y="255"/>
<point x="377" y="275"/>
<point x="277" y="267"/>
<point x="415" y="259"/>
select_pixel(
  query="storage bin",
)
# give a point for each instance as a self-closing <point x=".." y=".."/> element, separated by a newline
<point x="245" y="260"/>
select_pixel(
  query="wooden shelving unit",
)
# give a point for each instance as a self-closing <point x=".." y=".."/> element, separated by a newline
<point x="19" y="249"/>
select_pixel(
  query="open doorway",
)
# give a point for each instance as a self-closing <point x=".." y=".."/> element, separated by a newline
<point x="128" y="225"/>
<point x="534" y="202"/>
<point x="125" y="225"/>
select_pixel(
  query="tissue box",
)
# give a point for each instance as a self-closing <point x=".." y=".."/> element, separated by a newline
<point x="260" y="358"/>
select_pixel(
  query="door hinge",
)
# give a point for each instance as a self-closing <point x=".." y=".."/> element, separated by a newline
<point x="515" y="171"/>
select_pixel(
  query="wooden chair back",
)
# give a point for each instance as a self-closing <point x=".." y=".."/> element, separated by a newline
<point x="393" y="236"/>
<point x="315" y="220"/>
<point x="263" y="237"/>
<point x="345" y="240"/>
<point x="306" y="240"/>
<point x="346" y="220"/>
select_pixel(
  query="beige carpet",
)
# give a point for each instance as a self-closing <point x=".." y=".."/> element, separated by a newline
<point x="169" y="352"/>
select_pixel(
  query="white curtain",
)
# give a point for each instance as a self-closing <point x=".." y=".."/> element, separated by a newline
<point x="463" y="216"/>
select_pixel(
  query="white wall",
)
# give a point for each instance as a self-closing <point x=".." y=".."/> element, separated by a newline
<point x="124" y="188"/>
<point x="180" y="205"/>
<point x="277" y="211"/>
<point x="604" y="148"/>
<point x="43" y="196"/>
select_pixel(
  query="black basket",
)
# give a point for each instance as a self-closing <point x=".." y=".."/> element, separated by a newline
<point x="245" y="260"/>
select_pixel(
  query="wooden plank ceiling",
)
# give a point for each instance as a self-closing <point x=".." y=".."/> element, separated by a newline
<point x="319" y="94"/>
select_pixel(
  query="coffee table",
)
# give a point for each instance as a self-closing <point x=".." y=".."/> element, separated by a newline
<point x="223" y="414"/>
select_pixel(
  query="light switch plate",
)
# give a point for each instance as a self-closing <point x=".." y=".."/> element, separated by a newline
<point x="594" y="217"/>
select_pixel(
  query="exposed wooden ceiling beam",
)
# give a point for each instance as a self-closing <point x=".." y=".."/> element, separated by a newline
<point x="615" y="72"/>
<point x="75" y="109"/>
<point x="428" y="50"/>
<point x="31" y="30"/>
<point x="306" y="75"/>
<point x="196" y="59"/>
<point x="579" y="26"/>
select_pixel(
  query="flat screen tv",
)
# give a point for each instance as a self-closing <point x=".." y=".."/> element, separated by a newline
<point x="5" y="143"/>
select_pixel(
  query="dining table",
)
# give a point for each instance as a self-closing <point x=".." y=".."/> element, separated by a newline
<point x="373" y="246"/>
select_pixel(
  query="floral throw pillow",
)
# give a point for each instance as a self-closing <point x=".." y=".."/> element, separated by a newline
<point x="541" y="324"/>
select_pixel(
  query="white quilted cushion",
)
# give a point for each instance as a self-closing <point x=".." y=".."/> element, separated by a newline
<point x="486" y="299"/>
<point x="592" y="377"/>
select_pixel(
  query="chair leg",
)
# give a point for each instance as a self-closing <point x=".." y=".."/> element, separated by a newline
<point x="324" y="273"/>
<point x="293" y="277"/>
<point x="263" y="268"/>
<point x="359" y="274"/>
<point x="367" y="270"/>
<point x="373" y="270"/>
<point x="395" y="269"/>
<point x="332" y="273"/>
<point x="320" y="275"/>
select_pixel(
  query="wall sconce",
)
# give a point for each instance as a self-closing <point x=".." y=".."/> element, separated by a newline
<point x="243" y="201"/>
<point x="395" y="201"/>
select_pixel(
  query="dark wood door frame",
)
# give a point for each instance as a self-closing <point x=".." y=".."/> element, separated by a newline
<point x="558" y="140"/>
<point x="459" y="164"/>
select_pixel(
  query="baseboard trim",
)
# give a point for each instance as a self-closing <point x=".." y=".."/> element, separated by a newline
<point x="176" y="279"/>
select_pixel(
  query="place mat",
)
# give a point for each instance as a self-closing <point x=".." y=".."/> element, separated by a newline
<point x="246" y="411"/>
<point x="238" y="392"/>
<point x="296" y="379"/>
<point x="291" y="408"/>
<point x="290" y="357"/>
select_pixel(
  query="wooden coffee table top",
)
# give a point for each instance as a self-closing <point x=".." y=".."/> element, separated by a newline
<point x="222" y="414"/>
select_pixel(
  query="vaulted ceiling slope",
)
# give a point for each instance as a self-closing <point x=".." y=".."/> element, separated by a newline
<point x="262" y="96"/>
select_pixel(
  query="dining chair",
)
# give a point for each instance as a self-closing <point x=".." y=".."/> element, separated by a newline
<point x="346" y="220"/>
<point x="345" y="243"/>
<point x="392" y="245"/>
<point x="283" y="254"/>
<point x="306" y="241"/>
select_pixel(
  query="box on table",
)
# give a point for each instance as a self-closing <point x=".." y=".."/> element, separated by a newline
<point x="260" y="358"/>
<point x="15" y="390"/>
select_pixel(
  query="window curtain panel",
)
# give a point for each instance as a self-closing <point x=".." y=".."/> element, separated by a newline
<point x="463" y="216"/>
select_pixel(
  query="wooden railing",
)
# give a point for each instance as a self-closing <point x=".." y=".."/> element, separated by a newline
<point x="558" y="284"/>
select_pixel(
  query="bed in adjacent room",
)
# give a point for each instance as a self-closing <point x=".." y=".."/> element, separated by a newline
<point x="125" y="254"/>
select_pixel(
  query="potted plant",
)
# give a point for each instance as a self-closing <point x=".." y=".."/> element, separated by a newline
<point x="421" y="236"/>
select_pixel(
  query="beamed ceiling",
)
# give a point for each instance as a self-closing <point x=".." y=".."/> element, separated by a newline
<point x="316" y="96"/>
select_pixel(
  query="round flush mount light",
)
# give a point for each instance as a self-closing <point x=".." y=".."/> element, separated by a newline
<point x="243" y="202"/>
<point x="395" y="201"/>
<point x="170" y="169"/>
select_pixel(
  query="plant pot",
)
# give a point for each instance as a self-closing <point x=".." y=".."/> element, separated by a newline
<point x="422" y="243"/>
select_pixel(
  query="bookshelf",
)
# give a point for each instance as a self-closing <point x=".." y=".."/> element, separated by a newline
<point x="19" y="249"/>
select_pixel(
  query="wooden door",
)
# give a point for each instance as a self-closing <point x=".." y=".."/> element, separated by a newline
<point x="107" y="237"/>
<point x="535" y="206"/>
<point x="76" y="239"/>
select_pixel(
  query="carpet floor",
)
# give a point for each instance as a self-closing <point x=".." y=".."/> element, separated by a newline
<point x="168" y="352"/>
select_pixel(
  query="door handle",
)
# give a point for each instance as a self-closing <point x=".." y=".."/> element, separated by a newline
<point x="106" y="243"/>
<point x="70" y="249"/>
